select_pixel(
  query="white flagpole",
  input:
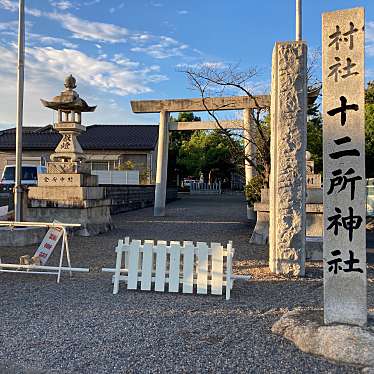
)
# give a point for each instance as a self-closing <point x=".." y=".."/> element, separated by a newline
<point x="299" y="22"/>
<point x="20" y="94"/>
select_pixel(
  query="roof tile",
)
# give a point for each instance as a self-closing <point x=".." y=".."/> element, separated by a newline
<point x="124" y="137"/>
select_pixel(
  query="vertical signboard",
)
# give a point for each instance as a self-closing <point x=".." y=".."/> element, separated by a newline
<point x="344" y="187"/>
<point x="49" y="243"/>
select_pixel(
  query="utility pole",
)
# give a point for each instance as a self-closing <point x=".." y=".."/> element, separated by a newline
<point x="20" y="94"/>
<point x="299" y="21"/>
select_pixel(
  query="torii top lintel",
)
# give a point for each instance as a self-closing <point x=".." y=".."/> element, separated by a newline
<point x="197" y="105"/>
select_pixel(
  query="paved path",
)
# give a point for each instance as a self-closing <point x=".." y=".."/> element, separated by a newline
<point x="80" y="327"/>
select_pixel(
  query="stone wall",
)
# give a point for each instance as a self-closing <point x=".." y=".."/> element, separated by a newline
<point x="122" y="198"/>
<point x="131" y="197"/>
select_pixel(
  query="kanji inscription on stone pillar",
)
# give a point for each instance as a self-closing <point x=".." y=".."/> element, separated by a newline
<point x="344" y="184"/>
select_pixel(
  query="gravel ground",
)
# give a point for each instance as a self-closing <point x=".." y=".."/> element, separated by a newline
<point x="78" y="326"/>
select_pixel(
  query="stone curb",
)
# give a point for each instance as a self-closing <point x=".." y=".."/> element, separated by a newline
<point x="340" y="343"/>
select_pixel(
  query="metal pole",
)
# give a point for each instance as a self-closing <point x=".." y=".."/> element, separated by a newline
<point x="20" y="91"/>
<point x="299" y="20"/>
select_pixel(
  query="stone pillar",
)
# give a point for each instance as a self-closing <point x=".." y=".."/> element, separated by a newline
<point x="344" y="182"/>
<point x="162" y="165"/>
<point x="288" y="167"/>
<point x="249" y="147"/>
<point x="249" y="151"/>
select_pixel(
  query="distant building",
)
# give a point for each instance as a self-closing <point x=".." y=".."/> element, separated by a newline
<point x="107" y="147"/>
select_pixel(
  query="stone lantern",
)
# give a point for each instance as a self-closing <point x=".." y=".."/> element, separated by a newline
<point x="69" y="107"/>
<point x="68" y="192"/>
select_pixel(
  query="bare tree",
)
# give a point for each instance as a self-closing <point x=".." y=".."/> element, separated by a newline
<point x="211" y="81"/>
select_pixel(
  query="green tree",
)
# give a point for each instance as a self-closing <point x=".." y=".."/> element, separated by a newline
<point x="175" y="142"/>
<point x="314" y="137"/>
<point x="209" y="153"/>
<point x="187" y="117"/>
<point x="369" y="130"/>
<point x="369" y="141"/>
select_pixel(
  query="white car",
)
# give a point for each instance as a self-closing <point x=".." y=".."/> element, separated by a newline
<point x="29" y="176"/>
<point x="188" y="182"/>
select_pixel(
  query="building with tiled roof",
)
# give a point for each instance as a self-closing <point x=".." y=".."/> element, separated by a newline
<point x="106" y="146"/>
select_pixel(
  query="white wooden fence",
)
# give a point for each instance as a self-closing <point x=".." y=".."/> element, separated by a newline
<point x="117" y="176"/>
<point x="175" y="264"/>
<point x="205" y="188"/>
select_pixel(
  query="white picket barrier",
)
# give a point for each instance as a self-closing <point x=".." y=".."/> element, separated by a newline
<point x="176" y="264"/>
<point x="205" y="188"/>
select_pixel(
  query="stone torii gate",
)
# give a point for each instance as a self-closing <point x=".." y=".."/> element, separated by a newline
<point x="165" y="107"/>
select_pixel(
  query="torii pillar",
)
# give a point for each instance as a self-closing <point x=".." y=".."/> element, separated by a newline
<point x="162" y="165"/>
<point x="249" y="145"/>
<point x="249" y="134"/>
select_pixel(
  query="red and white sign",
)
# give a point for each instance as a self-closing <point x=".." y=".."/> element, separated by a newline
<point x="49" y="244"/>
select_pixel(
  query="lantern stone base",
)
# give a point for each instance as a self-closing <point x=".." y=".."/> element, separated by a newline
<point x="70" y="198"/>
<point x="94" y="219"/>
<point x="314" y="222"/>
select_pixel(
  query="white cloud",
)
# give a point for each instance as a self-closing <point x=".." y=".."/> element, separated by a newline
<point x="166" y="47"/>
<point x="11" y="29"/>
<point x="9" y="26"/>
<point x="120" y="59"/>
<point x="159" y="47"/>
<point x="369" y="35"/>
<point x="46" y="68"/>
<point x="369" y="31"/>
<point x="88" y="30"/>
<point x="118" y="7"/>
<point x="12" y="6"/>
<point x="369" y="74"/>
<point x="63" y="4"/>
<point x="50" y="40"/>
<point x="156" y="4"/>
<point x="34" y="12"/>
<point x="101" y="74"/>
<point x="141" y="38"/>
<point x="119" y="76"/>
<point x="9" y="5"/>
<point x="92" y="2"/>
<point x="183" y="12"/>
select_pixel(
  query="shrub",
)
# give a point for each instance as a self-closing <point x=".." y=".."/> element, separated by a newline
<point x="253" y="189"/>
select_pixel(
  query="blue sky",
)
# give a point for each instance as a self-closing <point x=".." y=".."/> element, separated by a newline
<point x="121" y="50"/>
